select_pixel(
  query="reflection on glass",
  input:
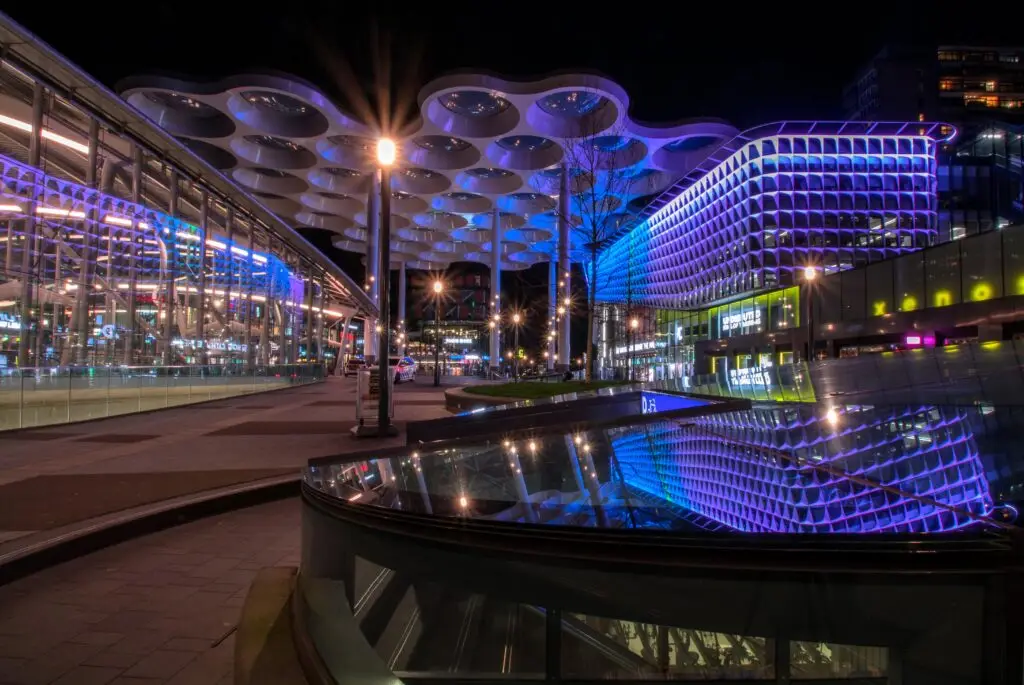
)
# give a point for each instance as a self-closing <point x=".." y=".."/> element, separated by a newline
<point x="777" y="469"/>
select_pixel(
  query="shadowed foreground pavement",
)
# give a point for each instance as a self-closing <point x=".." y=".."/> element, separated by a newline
<point x="159" y="609"/>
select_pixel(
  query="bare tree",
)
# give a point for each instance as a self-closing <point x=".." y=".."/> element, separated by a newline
<point x="603" y="178"/>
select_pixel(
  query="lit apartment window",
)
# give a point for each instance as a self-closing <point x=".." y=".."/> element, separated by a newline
<point x="948" y="56"/>
<point x="920" y="116"/>
<point x="947" y="84"/>
<point x="1009" y="58"/>
<point x="973" y="99"/>
<point x="990" y="86"/>
<point x="958" y="232"/>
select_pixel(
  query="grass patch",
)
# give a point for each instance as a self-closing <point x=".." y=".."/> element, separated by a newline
<point x="532" y="390"/>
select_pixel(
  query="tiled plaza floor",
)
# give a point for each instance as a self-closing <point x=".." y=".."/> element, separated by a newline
<point x="57" y="476"/>
<point x="155" y="610"/>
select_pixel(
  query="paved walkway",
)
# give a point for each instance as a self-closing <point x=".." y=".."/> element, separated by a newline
<point x="159" y="609"/>
<point x="57" y="476"/>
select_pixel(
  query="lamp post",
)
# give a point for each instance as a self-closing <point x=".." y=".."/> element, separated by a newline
<point x="385" y="158"/>
<point x="438" y="289"/>
<point x="810" y="275"/>
<point x="634" y="324"/>
<point x="516" y="318"/>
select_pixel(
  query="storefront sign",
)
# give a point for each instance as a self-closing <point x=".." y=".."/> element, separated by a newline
<point x="742" y="320"/>
<point x="10" y="321"/>
<point x="759" y="376"/>
<point x="458" y="341"/>
<point x="217" y="345"/>
<point x="636" y="347"/>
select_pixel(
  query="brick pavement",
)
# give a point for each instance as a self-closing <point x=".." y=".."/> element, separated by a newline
<point x="156" y="610"/>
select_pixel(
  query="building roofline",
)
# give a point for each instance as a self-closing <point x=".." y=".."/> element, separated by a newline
<point x="27" y="51"/>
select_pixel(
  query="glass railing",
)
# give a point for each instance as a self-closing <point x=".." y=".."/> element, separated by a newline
<point x="33" y="397"/>
<point x="514" y="556"/>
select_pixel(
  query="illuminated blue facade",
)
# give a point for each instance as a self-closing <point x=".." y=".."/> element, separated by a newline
<point x="791" y="469"/>
<point x="776" y="199"/>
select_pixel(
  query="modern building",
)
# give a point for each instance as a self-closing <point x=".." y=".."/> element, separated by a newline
<point x="497" y="172"/>
<point x="120" y="245"/>
<point x="949" y="83"/>
<point x="722" y="253"/>
<point x="980" y="91"/>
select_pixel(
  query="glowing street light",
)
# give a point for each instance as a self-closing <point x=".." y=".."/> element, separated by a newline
<point x="438" y="289"/>
<point x="386" y="152"/>
<point x="810" y="273"/>
<point x="634" y="324"/>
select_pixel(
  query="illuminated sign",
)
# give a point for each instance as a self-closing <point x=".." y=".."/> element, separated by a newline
<point x="218" y="345"/>
<point x="741" y="320"/>
<point x="10" y="321"/>
<point x="636" y="347"/>
<point x="654" y="402"/>
<point x="458" y="341"/>
<point x="751" y="376"/>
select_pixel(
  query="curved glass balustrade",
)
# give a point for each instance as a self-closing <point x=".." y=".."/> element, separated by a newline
<point x="788" y="542"/>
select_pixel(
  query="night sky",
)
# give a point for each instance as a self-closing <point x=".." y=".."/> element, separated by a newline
<point x="739" y="62"/>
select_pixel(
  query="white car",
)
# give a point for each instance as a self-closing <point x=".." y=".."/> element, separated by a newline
<point x="405" y="368"/>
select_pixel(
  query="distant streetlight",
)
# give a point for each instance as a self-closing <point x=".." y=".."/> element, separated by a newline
<point x="438" y="289"/>
<point x="810" y="273"/>
<point x="634" y="324"/>
<point x="516" y="318"/>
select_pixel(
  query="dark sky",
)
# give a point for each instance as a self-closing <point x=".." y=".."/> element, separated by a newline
<point x="730" y="59"/>
<point x="743" y="62"/>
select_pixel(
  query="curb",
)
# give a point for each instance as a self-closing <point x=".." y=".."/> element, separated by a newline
<point x="62" y="544"/>
<point x="458" y="399"/>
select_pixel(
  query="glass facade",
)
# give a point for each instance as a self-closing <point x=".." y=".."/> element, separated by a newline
<point x="774" y="200"/>
<point x="112" y="254"/>
<point x="978" y="268"/>
<point x="663" y="345"/>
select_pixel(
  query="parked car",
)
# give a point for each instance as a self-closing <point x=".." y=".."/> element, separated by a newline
<point x="353" y="365"/>
<point x="405" y="368"/>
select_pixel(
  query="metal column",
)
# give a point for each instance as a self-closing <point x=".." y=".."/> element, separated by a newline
<point x="372" y="264"/>
<point x="384" y="426"/>
<point x="204" y="225"/>
<point x="80" y="318"/>
<point x="133" y="248"/>
<point x="552" y="310"/>
<point x="310" y="314"/>
<point x="28" y="238"/>
<point x="564" y="268"/>
<point x="249" y="351"/>
<point x="495" y="361"/>
<point x="229" y="221"/>
<point x="171" y="292"/>
<point x="401" y="309"/>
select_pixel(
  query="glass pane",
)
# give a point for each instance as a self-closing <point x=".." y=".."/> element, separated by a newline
<point x="909" y="277"/>
<point x="982" y="265"/>
<point x="814" y="660"/>
<point x="942" y="275"/>
<point x="879" y="288"/>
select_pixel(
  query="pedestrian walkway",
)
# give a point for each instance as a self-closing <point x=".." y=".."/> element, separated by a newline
<point x="161" y="609"/>
<point x="59" y="476"/>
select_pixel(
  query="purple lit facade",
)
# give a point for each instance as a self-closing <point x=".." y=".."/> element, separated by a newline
<point x="793" y="470"/>
<point x="774" y="200"/>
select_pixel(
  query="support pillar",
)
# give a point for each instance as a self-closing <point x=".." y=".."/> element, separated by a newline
<point x="495" y="350"/>
<point x="171" y="294"/>
<point x="80" y="315"/>
<point x="28" y="239"/>
<point x="401" y="310"/>
<point x="320" y="321"/>
<point x="229" y="222"/>
<point x="372" y="266"/>
<point x="564" y="270"/>
<point x="249" y="352"/>
<point x="552" y="310"/>
<point x="310" y="314"/>
<point x="204" y="226"/>
<point x="133" y="250"/>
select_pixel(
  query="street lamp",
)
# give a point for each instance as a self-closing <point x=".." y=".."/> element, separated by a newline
<point x="810" y="276"/>
<point x="438" y="289"/>
<point x="386" y="154"/>
<point x="516" y="318"/>
<point x="634" y="324"/>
